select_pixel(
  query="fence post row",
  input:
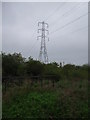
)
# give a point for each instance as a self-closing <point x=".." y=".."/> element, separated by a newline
<point x="33" y="79"/>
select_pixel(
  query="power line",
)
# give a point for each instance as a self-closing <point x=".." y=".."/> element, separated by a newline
<point x="32" y="34"/>
<point x="34" y="42"/>
<point x="33" y="45"/>
<point x="69" y="23"/>
<point x="63" y="15"/>
<point x="73" y="8"/>
<point x="55" y="11"/>
<point x="60" y="27"/>
<point x="78" y="30"/>
<point x="66" y="14"/>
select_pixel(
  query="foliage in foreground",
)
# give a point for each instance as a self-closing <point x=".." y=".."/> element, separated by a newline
<point x="68" y="99"/>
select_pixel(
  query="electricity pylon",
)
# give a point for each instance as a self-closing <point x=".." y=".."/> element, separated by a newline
<point x="43" y="57"/>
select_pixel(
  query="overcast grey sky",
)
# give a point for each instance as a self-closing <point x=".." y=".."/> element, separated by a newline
<point x="68" y="43"/>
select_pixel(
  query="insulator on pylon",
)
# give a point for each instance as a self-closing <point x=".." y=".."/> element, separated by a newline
<point x="43" y="57"/>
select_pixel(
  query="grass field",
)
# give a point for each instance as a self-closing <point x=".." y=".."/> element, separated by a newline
<point x="68" y="99"/>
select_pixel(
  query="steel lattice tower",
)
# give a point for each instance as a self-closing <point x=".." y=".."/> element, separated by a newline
<point x="43" y="57"/>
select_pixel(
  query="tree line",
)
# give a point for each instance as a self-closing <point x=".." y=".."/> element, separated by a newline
<point x="16" y="65"/>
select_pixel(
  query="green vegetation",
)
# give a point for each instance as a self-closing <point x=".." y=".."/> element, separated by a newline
<point x="68" y="98"/>
<point x="16" y="65"/>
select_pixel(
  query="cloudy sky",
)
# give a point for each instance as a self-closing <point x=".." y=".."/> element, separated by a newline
<point x="68" y="28"/>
